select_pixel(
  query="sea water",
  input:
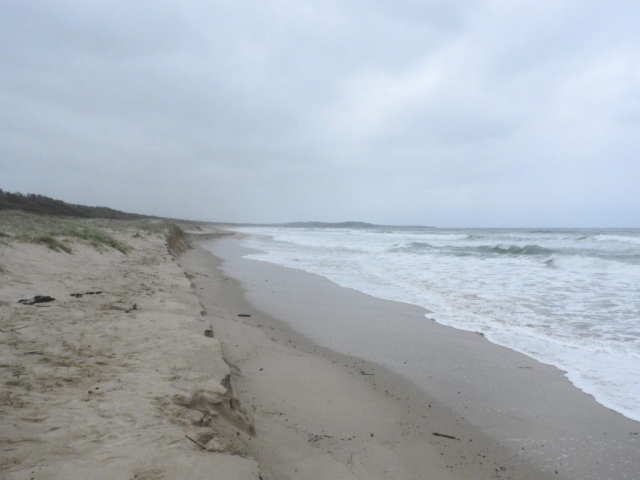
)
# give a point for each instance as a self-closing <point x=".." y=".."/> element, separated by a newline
<point x="568" y="298"/>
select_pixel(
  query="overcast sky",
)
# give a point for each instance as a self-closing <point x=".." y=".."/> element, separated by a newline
<point x="445" y="113"/>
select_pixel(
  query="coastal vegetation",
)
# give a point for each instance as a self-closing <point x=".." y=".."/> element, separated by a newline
<point x="57" y="225"/>
<point x="58" y="233"/>
<point x="49" y="206"/>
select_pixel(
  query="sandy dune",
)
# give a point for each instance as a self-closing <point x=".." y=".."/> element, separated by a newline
<point x="109" y="385"/>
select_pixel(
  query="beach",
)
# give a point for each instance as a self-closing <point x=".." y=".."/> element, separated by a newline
<point x="114" y="377"/>
<point x="322" y="414"/>
<point x="497" y="403"/>
<point x="167" y="361"/>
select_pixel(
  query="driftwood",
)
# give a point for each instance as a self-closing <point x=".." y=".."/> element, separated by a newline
<point x="13" y="330"/>
<point x="196" y="442"/>
<point x="444" y="435"/>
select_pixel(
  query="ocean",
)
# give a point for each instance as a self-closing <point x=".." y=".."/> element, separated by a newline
<point x="568" y="298"/>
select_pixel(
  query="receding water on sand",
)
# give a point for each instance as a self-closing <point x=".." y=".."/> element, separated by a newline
<point x="568" y="298"/>
<point x="525" y="406"/>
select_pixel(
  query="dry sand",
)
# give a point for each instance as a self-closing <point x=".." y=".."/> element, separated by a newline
<point x="108" y="385"/>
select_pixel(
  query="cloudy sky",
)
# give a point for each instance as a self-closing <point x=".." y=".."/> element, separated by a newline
<point x="456" y="113"/>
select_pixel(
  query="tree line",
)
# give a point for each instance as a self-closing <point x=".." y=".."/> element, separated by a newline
<point x="44" y="205"/>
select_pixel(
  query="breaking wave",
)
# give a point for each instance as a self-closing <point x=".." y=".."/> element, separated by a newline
<point x="617" y="238"/>
<point x="546" y="293"/>
<point x="578" y="263"/>
<point x="501" y="249"/>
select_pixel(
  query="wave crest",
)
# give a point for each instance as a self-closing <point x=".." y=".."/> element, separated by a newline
<point x="617" y="238"/>
<point x="502" y="249"/>
<point x="412" y="247"/>
<point x="587" y="264"/>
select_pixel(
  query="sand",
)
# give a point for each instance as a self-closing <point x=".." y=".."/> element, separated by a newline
<point x="320" y="414"/>
<point x="109" y="385"/>
<point x="520" y="418"/>
<point x="178" y="369"/>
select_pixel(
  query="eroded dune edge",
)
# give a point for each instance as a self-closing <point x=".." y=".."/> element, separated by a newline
<point x="115" y="378"/>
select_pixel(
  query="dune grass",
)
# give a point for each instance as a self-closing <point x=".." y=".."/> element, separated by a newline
<point x="59" y="233"/>
<point x="96" y="238"/>
<point x="51" y="242"/>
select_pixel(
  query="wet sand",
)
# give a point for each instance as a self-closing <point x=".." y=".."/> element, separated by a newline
<point x="337" y="363"/>
<point x="321" y="414"/>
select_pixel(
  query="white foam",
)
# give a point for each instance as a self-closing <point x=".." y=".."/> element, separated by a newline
<point x="590" y="264"/>
<point x="578" y="311"/>
<point x="617" y="238"/>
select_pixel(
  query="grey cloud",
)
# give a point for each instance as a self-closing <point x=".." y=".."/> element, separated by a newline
<point x="451" y="113"/>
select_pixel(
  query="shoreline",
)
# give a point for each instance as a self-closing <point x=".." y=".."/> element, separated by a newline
<point x="578" y="438"/>
<point x="323" y="414"/>
<point x="298" y="381"/>
<point x="564" y="298"/>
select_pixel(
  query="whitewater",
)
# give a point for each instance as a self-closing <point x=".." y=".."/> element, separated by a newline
<point x="568" y="298"/>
